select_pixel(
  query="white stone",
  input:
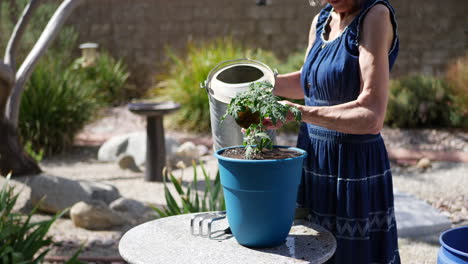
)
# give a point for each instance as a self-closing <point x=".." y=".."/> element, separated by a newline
<point x="424" y="163"/>
<point x="133" y="144"/>
<point x="202" y="150"/>
<point x="109" y="151"/>
<point x="188" y="150"/>
<point x="186" y="154"/>
<point x="136" y="147"/>
<point x="59" y="193"/>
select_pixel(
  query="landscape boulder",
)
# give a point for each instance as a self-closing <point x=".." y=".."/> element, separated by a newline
<point x="134" y="145"/>
<point x="186" y="153"/>
<point x="130" y="151"/>
<point x="59" y="193"/>
<point x="424" y="163"/>
<point x="134" y="211"/>
<point x="95" y="215"/>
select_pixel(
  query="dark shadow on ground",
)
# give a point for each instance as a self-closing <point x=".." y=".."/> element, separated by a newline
<point x="73" y="155"/>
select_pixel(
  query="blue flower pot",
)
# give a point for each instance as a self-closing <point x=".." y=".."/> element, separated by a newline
<point x="454" y="249"/>
<point x="260" y="197"/>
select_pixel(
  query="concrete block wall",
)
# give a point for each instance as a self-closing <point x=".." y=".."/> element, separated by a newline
<point x="432" y="33"/>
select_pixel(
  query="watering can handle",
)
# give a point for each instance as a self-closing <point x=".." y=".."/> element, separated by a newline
<point x="206" y="83"/>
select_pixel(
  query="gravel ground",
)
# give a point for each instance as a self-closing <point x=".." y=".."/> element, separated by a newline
<point x="444" y="187"/>
<point x="443" y="184"/>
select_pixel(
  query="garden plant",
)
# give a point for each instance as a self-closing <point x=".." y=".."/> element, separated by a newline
<point x="73" y="93"/>
<point x="260" y="181"/>
<point x="180" y="82"/>
<point x="250" y="109"/>
<point x="21" y="240"/>
<point x="419" y="101"/>
<point x="14" y="73"/>
<point x="212" y="198"/>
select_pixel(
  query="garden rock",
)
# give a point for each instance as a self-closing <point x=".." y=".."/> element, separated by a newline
<point x="134" y="211"/>
<point x="186" y="153"/>
<point x="203" y="150"/>
<point x="133" y="144"/>
<point x="130" y="151"/>
<point x="113" y="147"/>
<point x="423" y="163"/>
<point x="188" y="149"/>
<point x="127" y="162"/>
<point x="60" y="193"/>
<point x="95" y="215"/>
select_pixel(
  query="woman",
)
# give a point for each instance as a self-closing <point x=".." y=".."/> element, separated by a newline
<point x="347" y="182"/>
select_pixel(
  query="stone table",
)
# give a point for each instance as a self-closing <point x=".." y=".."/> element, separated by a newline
<point x="155" y="141"/>
<point x="168" y="240"/>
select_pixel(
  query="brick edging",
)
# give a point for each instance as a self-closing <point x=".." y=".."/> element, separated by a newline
<point x="409" y="154"/>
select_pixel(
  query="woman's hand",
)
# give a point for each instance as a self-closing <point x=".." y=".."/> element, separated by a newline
<point x="268" y="123"/>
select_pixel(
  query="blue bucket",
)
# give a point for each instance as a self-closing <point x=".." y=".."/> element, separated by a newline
<point x="260" y="197"/>
<point x="454" y="249"/>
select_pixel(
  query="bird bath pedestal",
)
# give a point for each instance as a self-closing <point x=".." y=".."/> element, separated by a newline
<point x="155" y="141"/>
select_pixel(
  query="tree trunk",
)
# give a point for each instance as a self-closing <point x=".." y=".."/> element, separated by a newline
<point x="13" y="158"/>
<point x="48" y="35"/>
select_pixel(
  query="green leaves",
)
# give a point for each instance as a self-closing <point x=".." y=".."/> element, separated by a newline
<point x="419" y="101"/>
<point x="191" y="202"/>
<point x="107" y="77"/>
<point x="181" y="77"/>
<point x="259" y="99"/>
<point x="22" y="241"/>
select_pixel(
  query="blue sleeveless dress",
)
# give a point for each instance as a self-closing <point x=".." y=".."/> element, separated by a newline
<point x="346" y="181"/>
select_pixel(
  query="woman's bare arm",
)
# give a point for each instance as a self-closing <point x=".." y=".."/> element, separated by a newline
<point x="289" y="85"/>
<point x="366" y="114"/>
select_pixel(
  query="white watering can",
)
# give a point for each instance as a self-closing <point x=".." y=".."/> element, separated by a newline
<point x="223" y="83"/>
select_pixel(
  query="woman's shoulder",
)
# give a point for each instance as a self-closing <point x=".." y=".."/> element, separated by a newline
<point x="378" y="12"/>
<point x="376" y="18"/>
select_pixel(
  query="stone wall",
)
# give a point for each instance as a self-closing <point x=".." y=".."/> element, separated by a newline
<point x="432" y="33"/>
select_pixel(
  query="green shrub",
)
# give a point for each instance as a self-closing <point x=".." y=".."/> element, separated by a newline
<point x="420" y="101"/>
<point x="54" y="107"/>
<point x="184" y="73"/>
<point x="58" y="100"/>
<point x="457" y="78"/>
<point x="107" y="77"/>
<point x="293" y="63"/>
<point x="211" y="200"/>
<point x="36" y="155"/>
<point x="61" y="47"/>
<point x="22" y="241"/>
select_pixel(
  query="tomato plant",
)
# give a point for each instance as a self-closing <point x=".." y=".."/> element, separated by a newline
<point x="251" y="107"/>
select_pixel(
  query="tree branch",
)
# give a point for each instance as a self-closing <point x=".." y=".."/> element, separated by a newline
<point x="44" y="41"/>
<point x="7" y="77"/>
<point x="6" y="73"/>
<point x="18" y="32"/>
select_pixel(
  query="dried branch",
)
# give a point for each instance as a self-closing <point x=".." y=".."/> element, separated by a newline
<point x="6" y="73"/>
<point x="18" y="32"/>
<point x="7" y="77"/>
<point x="44" y="41"/>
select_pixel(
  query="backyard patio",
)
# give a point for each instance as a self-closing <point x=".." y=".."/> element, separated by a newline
<point x="440" y="184"/>
<point x="76" y="122"/>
